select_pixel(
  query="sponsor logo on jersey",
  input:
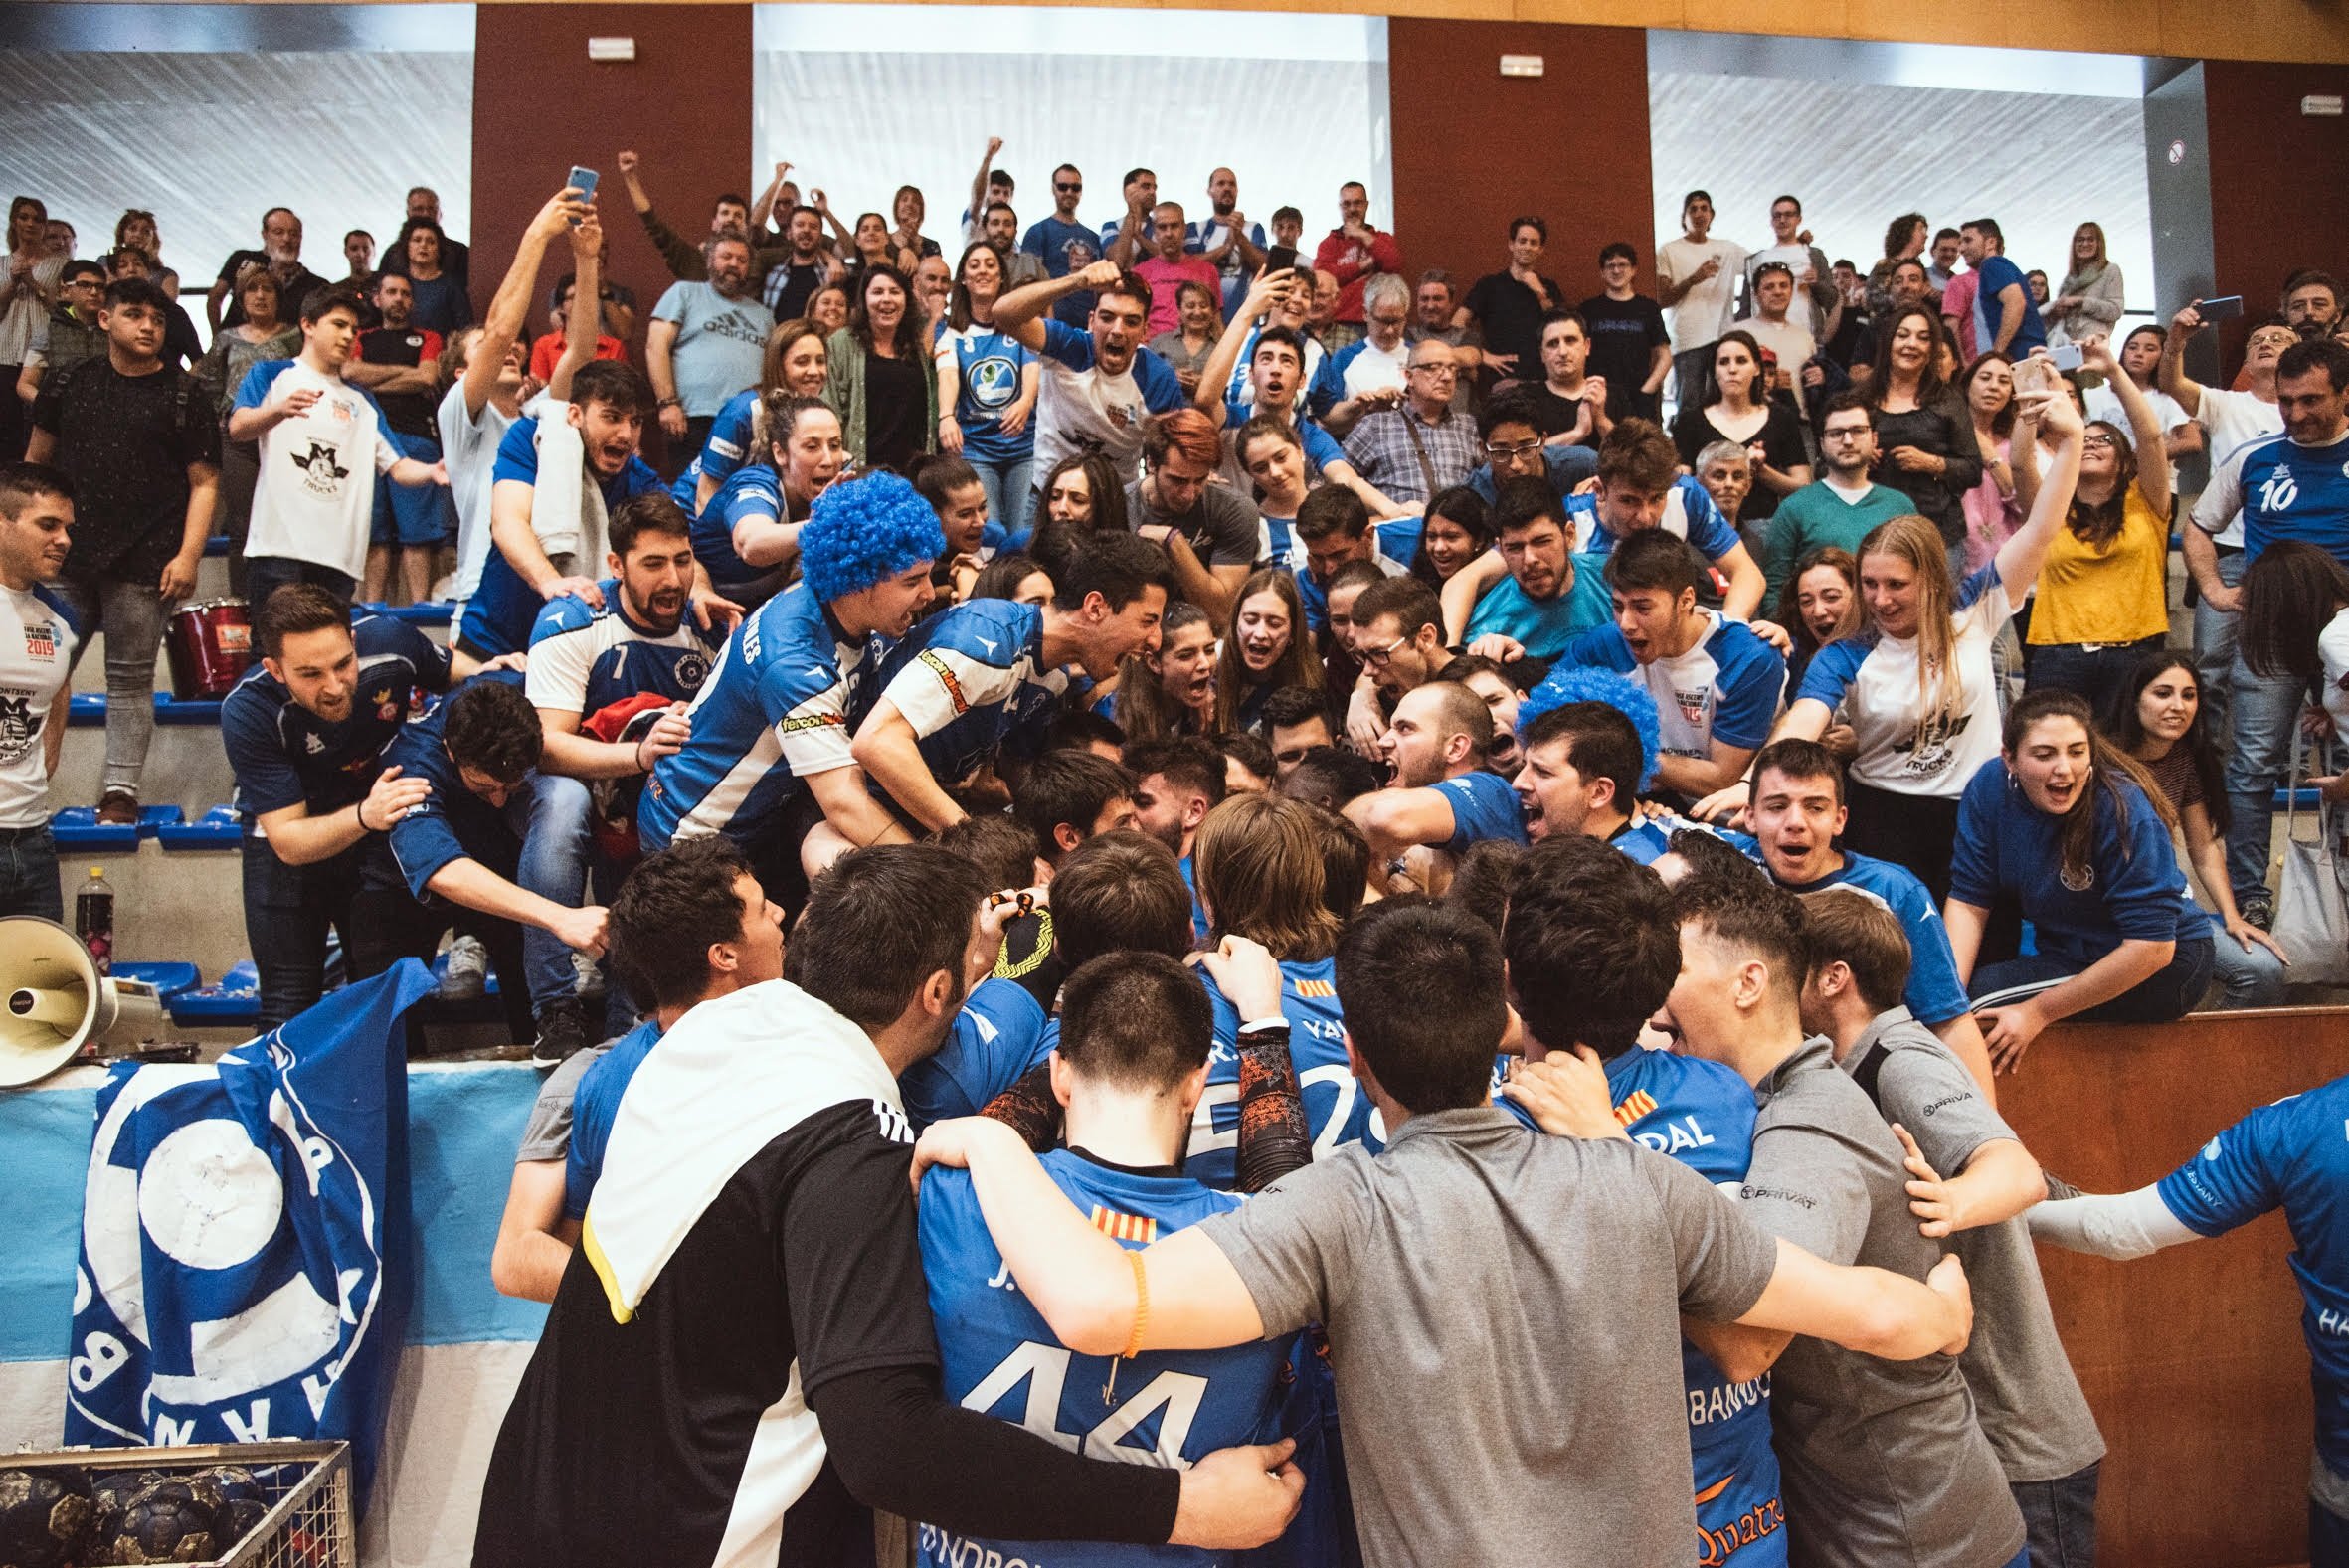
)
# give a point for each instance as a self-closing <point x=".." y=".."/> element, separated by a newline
<point x="946" y="678"/>
<point x="1125" y="1227"/>
<point x="691" y="670"/>
<point x="810" y="721"/>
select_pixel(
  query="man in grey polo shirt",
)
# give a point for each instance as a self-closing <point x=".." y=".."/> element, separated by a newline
<point x="1502" y="1305"/>
<point x="1882" y="1462"/>
<point x="2028" y="1401"/>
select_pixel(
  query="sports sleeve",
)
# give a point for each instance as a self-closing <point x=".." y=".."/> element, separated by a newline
<point x="590" y="1133"/>
<point x="1804" y="1185"/>
<point x="1974" y="860"/>
<point x="2116" y="1225"/>
<point x="1070" y="347"/>
<point x="1933" y="993"/>
<point x="517" y="453"/>
<point x="980" y="1059"/>
<point x="2234" y="1178"/>
<point x="940" y="684"/>
<point x="265" y="780"/>
<point x="1292" y="1245"/>
<point x="1725" y="1259"/>
<point x="742" y="503"/>
<point x="562" y="652"/>
<point x="427" y="658"/>
<point x="1749" y="693"/>
<point x="1930" y="1092"/>
<point x="1320" y="447"/>
<point x="811" y="719"/>
<point x="1597" y="647"/>
<point x="1831" y="673"/>
<point x="1328" y="382"/>
<point x="254" y="390"/>
<point x="730" y="438"/>
<point x="424" y="841"/>
<point x="1162" y="389"/>
<point x="2137" y="866"/>
<point x="1708" y="531"/>
<point x="547" y="1133"/>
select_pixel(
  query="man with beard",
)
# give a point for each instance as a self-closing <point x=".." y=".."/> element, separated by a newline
<point x="1179" y="780"/>
<point x="705" y="343"/>
<point x="1233" y="246"/>
<point x="1440" y="798"/>
<point x="998" y="226"/>
<point x="1581" y="773"/>
<point x="794" y="280"/>
<point x="281" y="253"/>
<point x="1065" y="245"/>
<point x="400" y="363"/>
<point x="1541" y="593"/>
<point x="1100" y="383"/>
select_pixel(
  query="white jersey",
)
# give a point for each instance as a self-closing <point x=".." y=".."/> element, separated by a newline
<point x="315" y="501"/>
<point x="38" y="635"/>
<point x="2231" y="420"/>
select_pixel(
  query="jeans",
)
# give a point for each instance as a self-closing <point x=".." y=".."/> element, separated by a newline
<point x="2252" y="977"/>
<point x="287" y="911"/>
<point x="2213" y="647"/>
<point x="2060" y="1519"/>
<point x="2167" y="994"/>
<point x="131" y="616"/>
<point x="2267" y="709"/>
<point x="264" y="575"/>
<point x="28" y="874"/>
<point x="553" y="817"/>
<point x="1006" y="485"/>
<point x="2099" y="673"/>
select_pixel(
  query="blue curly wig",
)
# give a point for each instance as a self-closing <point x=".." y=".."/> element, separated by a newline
<point x="864" y="532"/>
<point x="1583" y="684"/>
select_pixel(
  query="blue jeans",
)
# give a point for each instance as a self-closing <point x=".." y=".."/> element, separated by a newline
<point x="2252" y="977"/>
<point x="2168" y="993"/>
<point x="2098" y="674"/>
<point x="28" y="874"/>
<point x="2265" y="708"/>
<point x="1007" y="499"/>
<point x="287" y="911"/>
<point x="2060" y="1519"/>
<point x="2213" y="647"/>
<point x="552" y="816"/>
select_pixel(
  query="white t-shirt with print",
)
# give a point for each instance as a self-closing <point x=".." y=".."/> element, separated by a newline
<point x="315" y="501"/>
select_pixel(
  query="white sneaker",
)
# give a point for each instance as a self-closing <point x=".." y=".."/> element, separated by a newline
<point x="467" y="976"/>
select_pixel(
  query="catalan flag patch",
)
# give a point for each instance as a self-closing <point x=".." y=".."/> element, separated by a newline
<point x="1125" y="1227"/>
<point x="1630" y="1110"/>
<point x="1316" y="990"/>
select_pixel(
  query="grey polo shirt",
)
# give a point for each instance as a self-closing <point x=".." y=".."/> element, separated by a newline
<point x="547" y="1135"/>
<point x="1503" y="1311"/>
<point x="2025" y="1394"/>
<point x="1224" y="529"/>
<point x="1884" y="1462"/>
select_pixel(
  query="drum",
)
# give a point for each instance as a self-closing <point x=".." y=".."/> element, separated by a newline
<point x="210" y="646"/>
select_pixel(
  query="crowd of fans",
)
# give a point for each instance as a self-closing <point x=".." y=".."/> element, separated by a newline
<point x="1020" y="628"/>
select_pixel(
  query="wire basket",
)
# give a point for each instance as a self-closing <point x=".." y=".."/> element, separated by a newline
<point x="308" y="1486"/>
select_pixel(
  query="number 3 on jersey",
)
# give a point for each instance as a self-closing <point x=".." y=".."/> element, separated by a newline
<point x="1044" y="1368"/>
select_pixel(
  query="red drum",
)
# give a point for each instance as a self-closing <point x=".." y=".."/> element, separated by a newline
<point x="210" y="646"/>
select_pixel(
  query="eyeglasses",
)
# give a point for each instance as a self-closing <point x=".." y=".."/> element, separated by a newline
<point x="1437" y="369"/>
<point x="1501" y="453"/>
<point x="1851" y="434"/>
<point x="1379" y="659"/>
<point x="2097" y="443"/>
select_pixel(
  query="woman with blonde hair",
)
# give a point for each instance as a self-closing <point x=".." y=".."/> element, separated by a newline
<point x="1265" y="647"/>
<point x="1916" y="684"/>
<point x="2088" y="302"/>
<point x="1258" y="862"/>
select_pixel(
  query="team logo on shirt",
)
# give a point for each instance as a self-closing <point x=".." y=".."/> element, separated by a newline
<point x="2078" y="881"/>
<point x="992" y="381"/>
<point x="385" y="708"/>
<point x="321" y="473"/>
<point x="312" y="743"/>
<point x="690" y="670"/>
<point x="20" y="727"/>
<point x="1934" y="747"/>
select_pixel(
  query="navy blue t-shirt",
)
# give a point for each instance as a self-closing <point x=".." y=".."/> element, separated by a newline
<point x="285" y="755"/>
<point x="453" y="823"/>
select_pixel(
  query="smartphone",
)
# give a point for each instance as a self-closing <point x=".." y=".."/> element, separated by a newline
<point x="1281" y="258"/>
<point x="2032" y="375"/>
<point x="2220" y="309"/>
<point x="583" y="181"/>
<point x="2065" y="356"/>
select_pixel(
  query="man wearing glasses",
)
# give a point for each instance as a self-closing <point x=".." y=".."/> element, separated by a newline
<point x="71" y="333"/>
<point x="1420" y="445"/>
<point x="1064" y="244"/>
<point x="1841" y="506"/>
<point x="1510" y="431"/>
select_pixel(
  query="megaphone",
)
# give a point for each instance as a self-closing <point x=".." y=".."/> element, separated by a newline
<point x="54" y="1002"/>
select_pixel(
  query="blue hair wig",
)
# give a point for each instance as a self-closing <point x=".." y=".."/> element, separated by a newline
<point x="1583" y="683"/>
<point x="866" y="531"/>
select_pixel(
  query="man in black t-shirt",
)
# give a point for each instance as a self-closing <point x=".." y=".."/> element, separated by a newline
<point x="400" y="364"/>
<point x="281" y="253"/>
<point x="143" y="451"/>
<point x="1508" y="306"/>
<point x="1630" y="347"/>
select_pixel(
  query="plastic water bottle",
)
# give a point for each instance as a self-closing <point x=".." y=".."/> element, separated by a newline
<point x="93" y="918"/>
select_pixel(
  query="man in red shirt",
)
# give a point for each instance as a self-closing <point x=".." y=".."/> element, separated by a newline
<point x="1351" y="252"/>
<point x="1168" y="268"/>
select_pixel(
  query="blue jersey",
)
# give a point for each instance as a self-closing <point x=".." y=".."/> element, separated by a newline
<point x="755" y="491"/>
<point x="1000" y="1358"/>
<point x="1198" y="911"/>
<point x="1543" y="627"/>
<point x="2291" y="1156"/>
<point x="732" y="436"/>
<point x="996" y="1040"/>
<point x="1689" y="513"/>
<point x="1483" y="807"/>
<point x="1934" y="994"/>
<point x="595" y="1103"/>
<point x="2284" y="491"/>
<point x="1725" y="689"/>
<point x="453" y="823"/>
<point x="1336" y="1108"/>
<point x="1644" y="839"/>
<point x="1701" y="1114"/>
<point x="972" y="681"/>
<point x="780" y="707"/>
<point x="1393" y="544"/>
<point x="583" y="660"/>
<point x="500" y="615"/>
<point x="285" y="755"/>
<point x="991" y="366"/>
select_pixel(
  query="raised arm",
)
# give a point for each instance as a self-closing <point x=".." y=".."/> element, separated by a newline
<point x="1461" y="592"/>
<point x="762" y="210"/>
<point x="509" y="307"/>
<point x="2171" y="376"/>
<point x="986" y="163"/>
<point x="1020" y="314"/>
<point x="2145" y="435"/>
<point x="2020" y="558"/>
<point x="580" y="326"/>
<point x="1215" y="375"/>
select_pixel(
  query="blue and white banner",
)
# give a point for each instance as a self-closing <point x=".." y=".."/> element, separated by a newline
<point x="237" y="1279"/>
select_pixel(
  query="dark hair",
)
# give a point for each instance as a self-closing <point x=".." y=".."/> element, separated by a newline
<point x="1638" y="453"/>
<point x="1345" y="861"/>
<point x="2109" y="766"/>
<point x="1120" y="891"/>
<point x="1593" y="950"/>
<point x="1185" y="761"/>
<point x="123" y="292"/>
<point x="1654" y="559"/>
<point x="2001" y="424"/>
<point x="1706" y="852"/>
<point x="615" y="383"/>
<point x="1898" y="231"/>
<point x="1989" y="227"/>
<point x="295" y="607"/>
<point x="1289" y="213"/>
<point x="1068" y="787"/>
<point x="1355" y="574"/>
<point x="1480" y="882"/>
<point x="1001" y="578"/>
<point x="1797" y="757"/>
<point x="672" y="907"/>
<point x="1754" y="915"/>
<point x="1791" y="596"/>
<point x="1135" y="1020"/>
<point x="2128" y="729"/>
<point x="1601" y="742"/>
<point x="2329" y="355"/>
<point x="1929" y="385"/>
<point x="1412" y="603"/>
<point x="1420" y="985"/>
<point x="1297" y="665"/>
<point x="1618" y="248"/>
<point x="1294" y="705"/>
<point x="1005" y="851"/>
<point x="2290" y="592"/>
<point x="1117" y="566"/>
<point x="1080" y="728"/>
<point x="491" y="725"/>
<point x="2098" y="524"/>
<point x="937" y="475"/>
<point x="1250" y="750"/>
<point x="1521" y="675"/>
<point x="1528" y="221"/>
<point x="1277" y="335"/>
<point x="81" y="267"/>
<point x="323" y="301"/>
<point x="1144" y="711"/>
<point x="906" y="341"/>
<point x="1328" y="776"/>
<point x="1331" y="509"/>
<point x="653" y="512"/>
<point x="1525" y="501"/>
<point x="1053" y="542"/>
<point x="879" y="921"/>
<point x="1848" y="927"/>
<point x="1459" y="505"/>
<point x="1517" y="406"/>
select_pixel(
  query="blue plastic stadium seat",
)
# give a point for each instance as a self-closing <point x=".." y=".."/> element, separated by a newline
<point x="432" y="613"/>
<point x="87" y="710"/>
<point x="235" y="1001"/>
<point x="218" y="828"/>
<point x="2301" y="799"/>
<point x="76" y="827"/>
<point x="217" y="545"/>
<point x="168" y="977"/>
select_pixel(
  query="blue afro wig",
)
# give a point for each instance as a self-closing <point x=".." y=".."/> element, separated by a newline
<point x="1583" y="684"/>
<point x="864" y="532"/>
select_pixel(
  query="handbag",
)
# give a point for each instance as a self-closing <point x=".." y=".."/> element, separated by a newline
<point x="2311" y="918"/>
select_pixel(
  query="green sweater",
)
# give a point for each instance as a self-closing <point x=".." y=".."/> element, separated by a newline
<point x="1815" y="516"/>
<point x="843" y="389"/>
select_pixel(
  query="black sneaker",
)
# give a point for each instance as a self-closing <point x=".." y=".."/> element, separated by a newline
<point x="560" y="1030"/>
<point x="2259" y="908"/>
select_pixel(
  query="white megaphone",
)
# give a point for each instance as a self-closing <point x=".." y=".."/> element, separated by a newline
<point x="54" y="1002"/>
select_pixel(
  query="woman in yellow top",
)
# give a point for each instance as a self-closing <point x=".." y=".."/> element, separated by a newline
<point x="2104" y="591"/>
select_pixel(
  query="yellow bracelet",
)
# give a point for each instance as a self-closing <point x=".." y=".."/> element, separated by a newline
<point x="1140" y="1308"/>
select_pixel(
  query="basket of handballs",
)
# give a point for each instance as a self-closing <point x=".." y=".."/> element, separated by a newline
<point x="236" y="1505"/>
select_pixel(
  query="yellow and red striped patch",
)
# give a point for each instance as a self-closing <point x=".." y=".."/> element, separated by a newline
<point x="1125" y="1227"/>
<point x="1630" y="1110"/>
<point x="1316" y="990"/>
